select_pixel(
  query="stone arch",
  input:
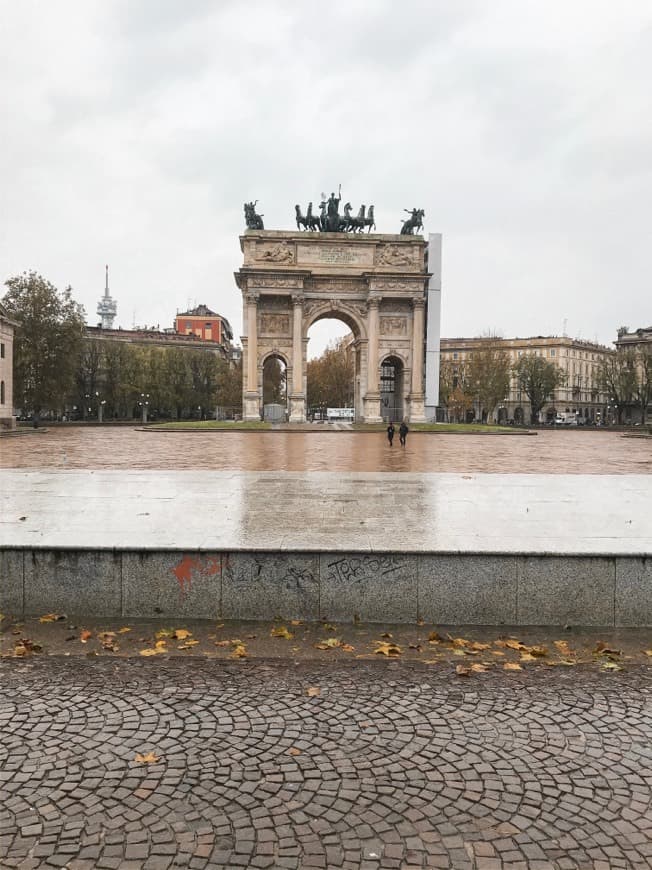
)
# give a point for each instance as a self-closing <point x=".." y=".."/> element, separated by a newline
<point x="336" y="311"/>
<point x="279" y="354"/>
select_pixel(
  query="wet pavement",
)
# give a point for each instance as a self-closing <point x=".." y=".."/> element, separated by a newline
<point x="547" y="452"/>
<point x="164" y="762"/>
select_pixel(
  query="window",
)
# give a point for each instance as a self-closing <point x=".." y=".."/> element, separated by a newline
<point x="2" y="391"/>
<point x="2" y="350"/>
<point x="455" y="355"/>
<point x="552" y="352"/>
<point x="208" y="325"/>
<point x="188" y="324"/>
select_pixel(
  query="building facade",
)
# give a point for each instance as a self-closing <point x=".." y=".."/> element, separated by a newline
<point x="639" y="343"/>
<point x="7" y="418"/>
<point x="205" y="324"/>
<point x="159" y="338"/>
<point x="579" y="399"/>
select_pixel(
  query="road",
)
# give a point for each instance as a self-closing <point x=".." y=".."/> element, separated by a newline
<point x="382" y="765"/>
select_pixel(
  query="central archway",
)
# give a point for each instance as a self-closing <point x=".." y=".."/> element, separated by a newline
<point x="343" y="356"/>
<point x="392" y="375"/>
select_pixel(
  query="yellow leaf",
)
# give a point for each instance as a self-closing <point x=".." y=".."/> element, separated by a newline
<point x="281" y="631"/>
<point x="435" y="637"/>
<point x="460" y="642"/>
<point x="480" y="646"/>
<point x="603" y="649"/>
<point x="526" y="657"/>
<point x="151" y="652"/>
<point x="296" y="622"/>
<point x="611" y="666"/>
<point x="463" y="671"/>
<point x="347" y="647"/>
<point x="648" y="652"/>
<point x="146" y="758"/>
<point x="328" y="626"/>
<point x="387" y="648"/>
<point x="328" y="643"/>
<point x="497" y="652"/>
<point x="161" y="645"/>
<point x="188" y="644"/>
<point x="512" y="644"/>
<point x="124" y="629"/>
<point x="163" y="632"/>
<point x="313" y="691"/>
<point x="537" y="651"/>
<point x="512" y="666"/>
<point x="51" y="617"/>
<point x="478" y="668"/>
<point x="239" y="652"/>
<point x="181" y="633"/>
<point x="85" y="635"/>
<point x="563" y="648"/>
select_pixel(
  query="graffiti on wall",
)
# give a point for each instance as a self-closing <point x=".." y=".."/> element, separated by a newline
<point x="191" y="567"/>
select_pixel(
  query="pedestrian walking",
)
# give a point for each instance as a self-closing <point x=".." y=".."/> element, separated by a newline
<point x="390" y="433"/>
<point x="403" y="432"/>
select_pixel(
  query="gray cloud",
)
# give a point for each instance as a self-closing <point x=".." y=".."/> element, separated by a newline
<point x="134" y="132"/>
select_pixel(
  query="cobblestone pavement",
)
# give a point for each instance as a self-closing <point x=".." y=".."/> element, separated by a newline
<point x="389" y="766"/>
<point x="548" y="452"/>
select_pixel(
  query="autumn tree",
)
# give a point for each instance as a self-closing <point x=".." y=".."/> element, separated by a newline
<point x="229" y="388"/>
<point x="488" y="372"/>
<point x="454" y="389"/>
<point x="617" y="378"/>
<point x="274" y="380"/>
<point x="538" y="379"/>
<point x="331" y="376"/>
<point x="47" y="343"/>
<point x="643" y="388"/>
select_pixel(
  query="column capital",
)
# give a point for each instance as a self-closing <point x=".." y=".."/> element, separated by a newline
<point x="298" y="298"/>
<point x="251" y="297"/>
<point x="418" y="303"/>
<point x="374" y="300"/>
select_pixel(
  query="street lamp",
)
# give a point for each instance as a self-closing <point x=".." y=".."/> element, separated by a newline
<point x="100" y="407"/>
<point x="144" y="404"/>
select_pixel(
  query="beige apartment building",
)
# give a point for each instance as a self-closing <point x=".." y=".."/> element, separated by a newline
<point x="640" y="342"/>
<point x="7" y="419"/>
<point x="580" y="397"/>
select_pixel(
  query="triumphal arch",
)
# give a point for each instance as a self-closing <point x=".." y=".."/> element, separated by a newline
<point x="375" y="283"/>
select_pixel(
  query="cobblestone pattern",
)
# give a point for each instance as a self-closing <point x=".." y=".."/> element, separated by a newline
<point x="389" y="767"/>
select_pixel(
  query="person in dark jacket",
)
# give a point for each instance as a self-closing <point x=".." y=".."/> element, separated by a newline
<point x="390" y="433"/>
<point x="403" y="432"/>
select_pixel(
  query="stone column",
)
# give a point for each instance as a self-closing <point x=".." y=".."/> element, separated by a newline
<point x="297" y="397"/>
<point x="251" y="409"/>
<point x="372" y="396"/>
<point x="417" y="410"/>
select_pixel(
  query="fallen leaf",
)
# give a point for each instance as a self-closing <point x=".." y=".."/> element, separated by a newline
<point x="526" y="657"/>
<point x="497" y="652"/>
<point x="478" y="668"/>
<point x="222" y="643"/>
<point x="220" y="625"/>
<point x="648" y="652"/>
<point x="146" y="758"/>
<point x="512" y="644"/>
<point x="188" y="644"/>
<point x="164" y="632"/>
<point x="296" y="622"/>
<point x="346" y="647"/>
<point x="386" y="635"/>
<point x="387" y="648"/>
<point x="86" y="635"/>
<point x="537" y="651"/>
<point x="328" y="626"/>
<point x="124" y="629"/>
<point x="563" y="648"/>
<point x="512" y="666"/>
<point x="435" y="637"/>
<point x="239" y="652"/>
<point x="328" y="643"/>
<point x="602" y="649"/>
<point x="480" y="646"/>
<point x="52" y="617"/>
<point x="313" y="691"/>
<point x="181" y="633"/>
<point x="151" y="652"/>
<point x="293" y="751"/>
<point x="281" y="631"/>
<point x="463" y="671"/>
<point x="611" y="666"/>
<point x="459" y="642"/>
<point x="161" y="645"/>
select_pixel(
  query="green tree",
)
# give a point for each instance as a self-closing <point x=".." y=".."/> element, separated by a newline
<point x="488" y="373"/>
<point x="274" y="379"/>
<point x="538" y="379"/>
<point x="229" y="389"/>
<point x="455" y="390"/>
<point x="48" y="341"/>
<point x="88" y="375"/>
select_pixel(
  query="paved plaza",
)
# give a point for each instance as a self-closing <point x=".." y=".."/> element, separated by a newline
<point x="389" y="766"/>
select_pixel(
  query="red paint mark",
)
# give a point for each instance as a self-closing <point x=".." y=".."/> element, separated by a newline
<point x="191" y="566"/>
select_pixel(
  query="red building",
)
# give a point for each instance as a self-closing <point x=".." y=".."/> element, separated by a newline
<point x="205" y="324"/>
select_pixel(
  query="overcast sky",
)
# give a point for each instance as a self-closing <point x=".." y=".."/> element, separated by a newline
<point x="134" y="130"/>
